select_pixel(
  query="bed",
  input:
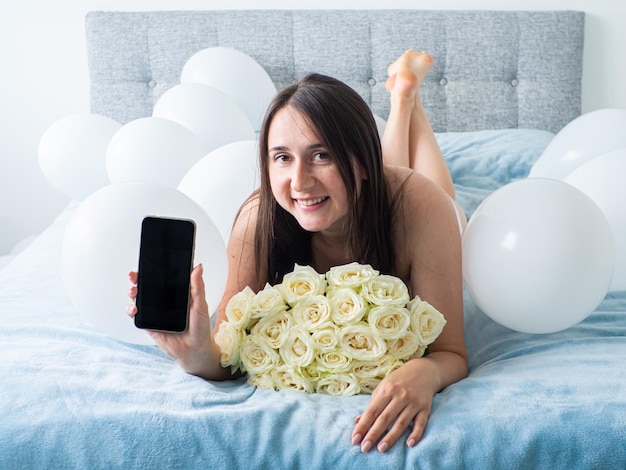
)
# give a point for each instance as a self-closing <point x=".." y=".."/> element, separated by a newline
<point x="503" y="84"/>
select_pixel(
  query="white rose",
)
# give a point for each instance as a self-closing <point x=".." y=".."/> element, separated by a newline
<point x="325" y="337"/>
<point x="263" y="380"/>
<point x="312" y="373"/>
<point x="346" y="306"/>
<point x="298" y="348"/>
<point x="390" y="365"/>
<point x="370" y="369"/>
<point x="419" y="352"/>
<point x="229" y="340"/>
<point x="267" y="301"/>
<point x="367" y="385"/>
<point x="302" y="282"/>
<point x="274" y="329"/>
<point x="238" y="310"/>
<point x="350" y="275"/>
<point x="338" y="384"/>
<point x="311" y="312"/>
<point x="361" y="343"/>
<point x="389" y="321"/>
<point x="289" y="377"/>
<point x="257" y="356"/>
<point x="405" y="347"/>
<point x="386" y="290"/>
<point x="333" y="361"/>
<point x="426" y="321"/>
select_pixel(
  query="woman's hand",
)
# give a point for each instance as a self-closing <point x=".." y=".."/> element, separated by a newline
<point x="194" y="349"/>
<point x="403" y="398"/>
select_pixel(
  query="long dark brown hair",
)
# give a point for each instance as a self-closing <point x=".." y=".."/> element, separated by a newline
<point x="347" y="128"/>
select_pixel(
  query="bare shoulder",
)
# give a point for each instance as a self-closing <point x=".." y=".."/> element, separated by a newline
<point x="427" y="244"/>
<point x="414" y="194"/>
<point x="241" y="253"/>
<point x="241" y="245"/>
<point x="425" y="227"/>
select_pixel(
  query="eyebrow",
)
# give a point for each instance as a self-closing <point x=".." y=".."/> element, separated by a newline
<point x="282" y="148"/>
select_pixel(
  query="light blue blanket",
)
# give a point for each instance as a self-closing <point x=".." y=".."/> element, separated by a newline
<point x="72" y="397"/>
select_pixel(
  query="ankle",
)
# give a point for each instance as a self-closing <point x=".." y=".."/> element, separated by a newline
<point x="405" y="87"/>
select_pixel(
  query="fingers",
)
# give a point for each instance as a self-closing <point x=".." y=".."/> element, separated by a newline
<point x="402" y="422"/>
<point x="364" y="432"/>
<point x="373" y="423"/>
<point x="387" y="417"/>
<point x="198" y="296"/>
<point x="198" y="308"/>
<point x="198" y="303"/>
<point x="419" y="425"/>
<point x="131" y="309"/>
<point x="383" y="424"/>
<point x="197" y="284"/>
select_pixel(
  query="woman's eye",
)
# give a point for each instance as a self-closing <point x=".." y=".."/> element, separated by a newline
<point x="281" y="157"/>
<point x="320" y="156"/>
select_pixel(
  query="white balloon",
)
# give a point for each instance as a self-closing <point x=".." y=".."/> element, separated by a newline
<point x="236" y="74"/>
<point x="211" y="114"/>
<point x="101" y="245"/>
<point x="602" y="179"/>
<point x="585" y="137"/>
<point x="152" y="149"/>
<point x="72" y="153"/>
<point x="538" y="255"/>
<point x="223" y="180"/>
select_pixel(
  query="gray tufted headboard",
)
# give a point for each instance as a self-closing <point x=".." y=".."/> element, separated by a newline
<point x="493" y="69"/>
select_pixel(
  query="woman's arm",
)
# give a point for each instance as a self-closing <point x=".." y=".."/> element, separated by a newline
<point x="195" y="350"/>
<point x="242" y="264"/>
<point x="428" y="250"/>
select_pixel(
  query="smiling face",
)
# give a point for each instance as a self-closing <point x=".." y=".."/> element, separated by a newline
<point x="303" y="174"/>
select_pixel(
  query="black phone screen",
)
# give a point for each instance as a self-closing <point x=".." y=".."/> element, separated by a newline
<point x="165" y="263"/>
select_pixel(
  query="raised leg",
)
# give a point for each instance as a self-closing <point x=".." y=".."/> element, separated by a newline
<point x="408" y="139"/>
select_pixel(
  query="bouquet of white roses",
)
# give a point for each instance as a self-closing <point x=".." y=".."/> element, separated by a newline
<point x="339" y="333"/>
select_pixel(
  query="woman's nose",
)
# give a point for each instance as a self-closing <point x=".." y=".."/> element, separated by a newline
<point x="301" y="177"/>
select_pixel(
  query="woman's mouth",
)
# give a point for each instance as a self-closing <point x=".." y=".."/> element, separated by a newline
<point x="310" y="202"/>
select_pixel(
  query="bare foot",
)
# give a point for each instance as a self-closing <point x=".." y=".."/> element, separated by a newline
<point x="407" y="73"/>
<point x="417" y="62"/>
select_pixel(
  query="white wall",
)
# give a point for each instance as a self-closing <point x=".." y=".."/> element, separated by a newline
<point x="44" y="77"/>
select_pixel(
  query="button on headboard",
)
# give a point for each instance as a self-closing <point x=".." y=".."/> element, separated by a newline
<point x="493" y="69"/>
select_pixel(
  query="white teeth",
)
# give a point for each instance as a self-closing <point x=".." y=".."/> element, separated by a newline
<point x="310" y="202"/>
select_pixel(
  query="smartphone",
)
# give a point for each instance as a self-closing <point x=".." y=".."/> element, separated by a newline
<point x="165" y="263"/>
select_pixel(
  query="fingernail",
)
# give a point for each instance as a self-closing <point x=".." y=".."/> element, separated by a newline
<point x="382" y="447"/>
<point x="356" y="439"/>
<point x="411" y="442"/>
<point x="366" y="446"/>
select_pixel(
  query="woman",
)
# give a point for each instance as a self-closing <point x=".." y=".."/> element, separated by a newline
<point x="327" y="199"/>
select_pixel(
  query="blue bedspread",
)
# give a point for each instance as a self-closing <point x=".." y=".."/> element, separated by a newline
<point x="72" y="397"/>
